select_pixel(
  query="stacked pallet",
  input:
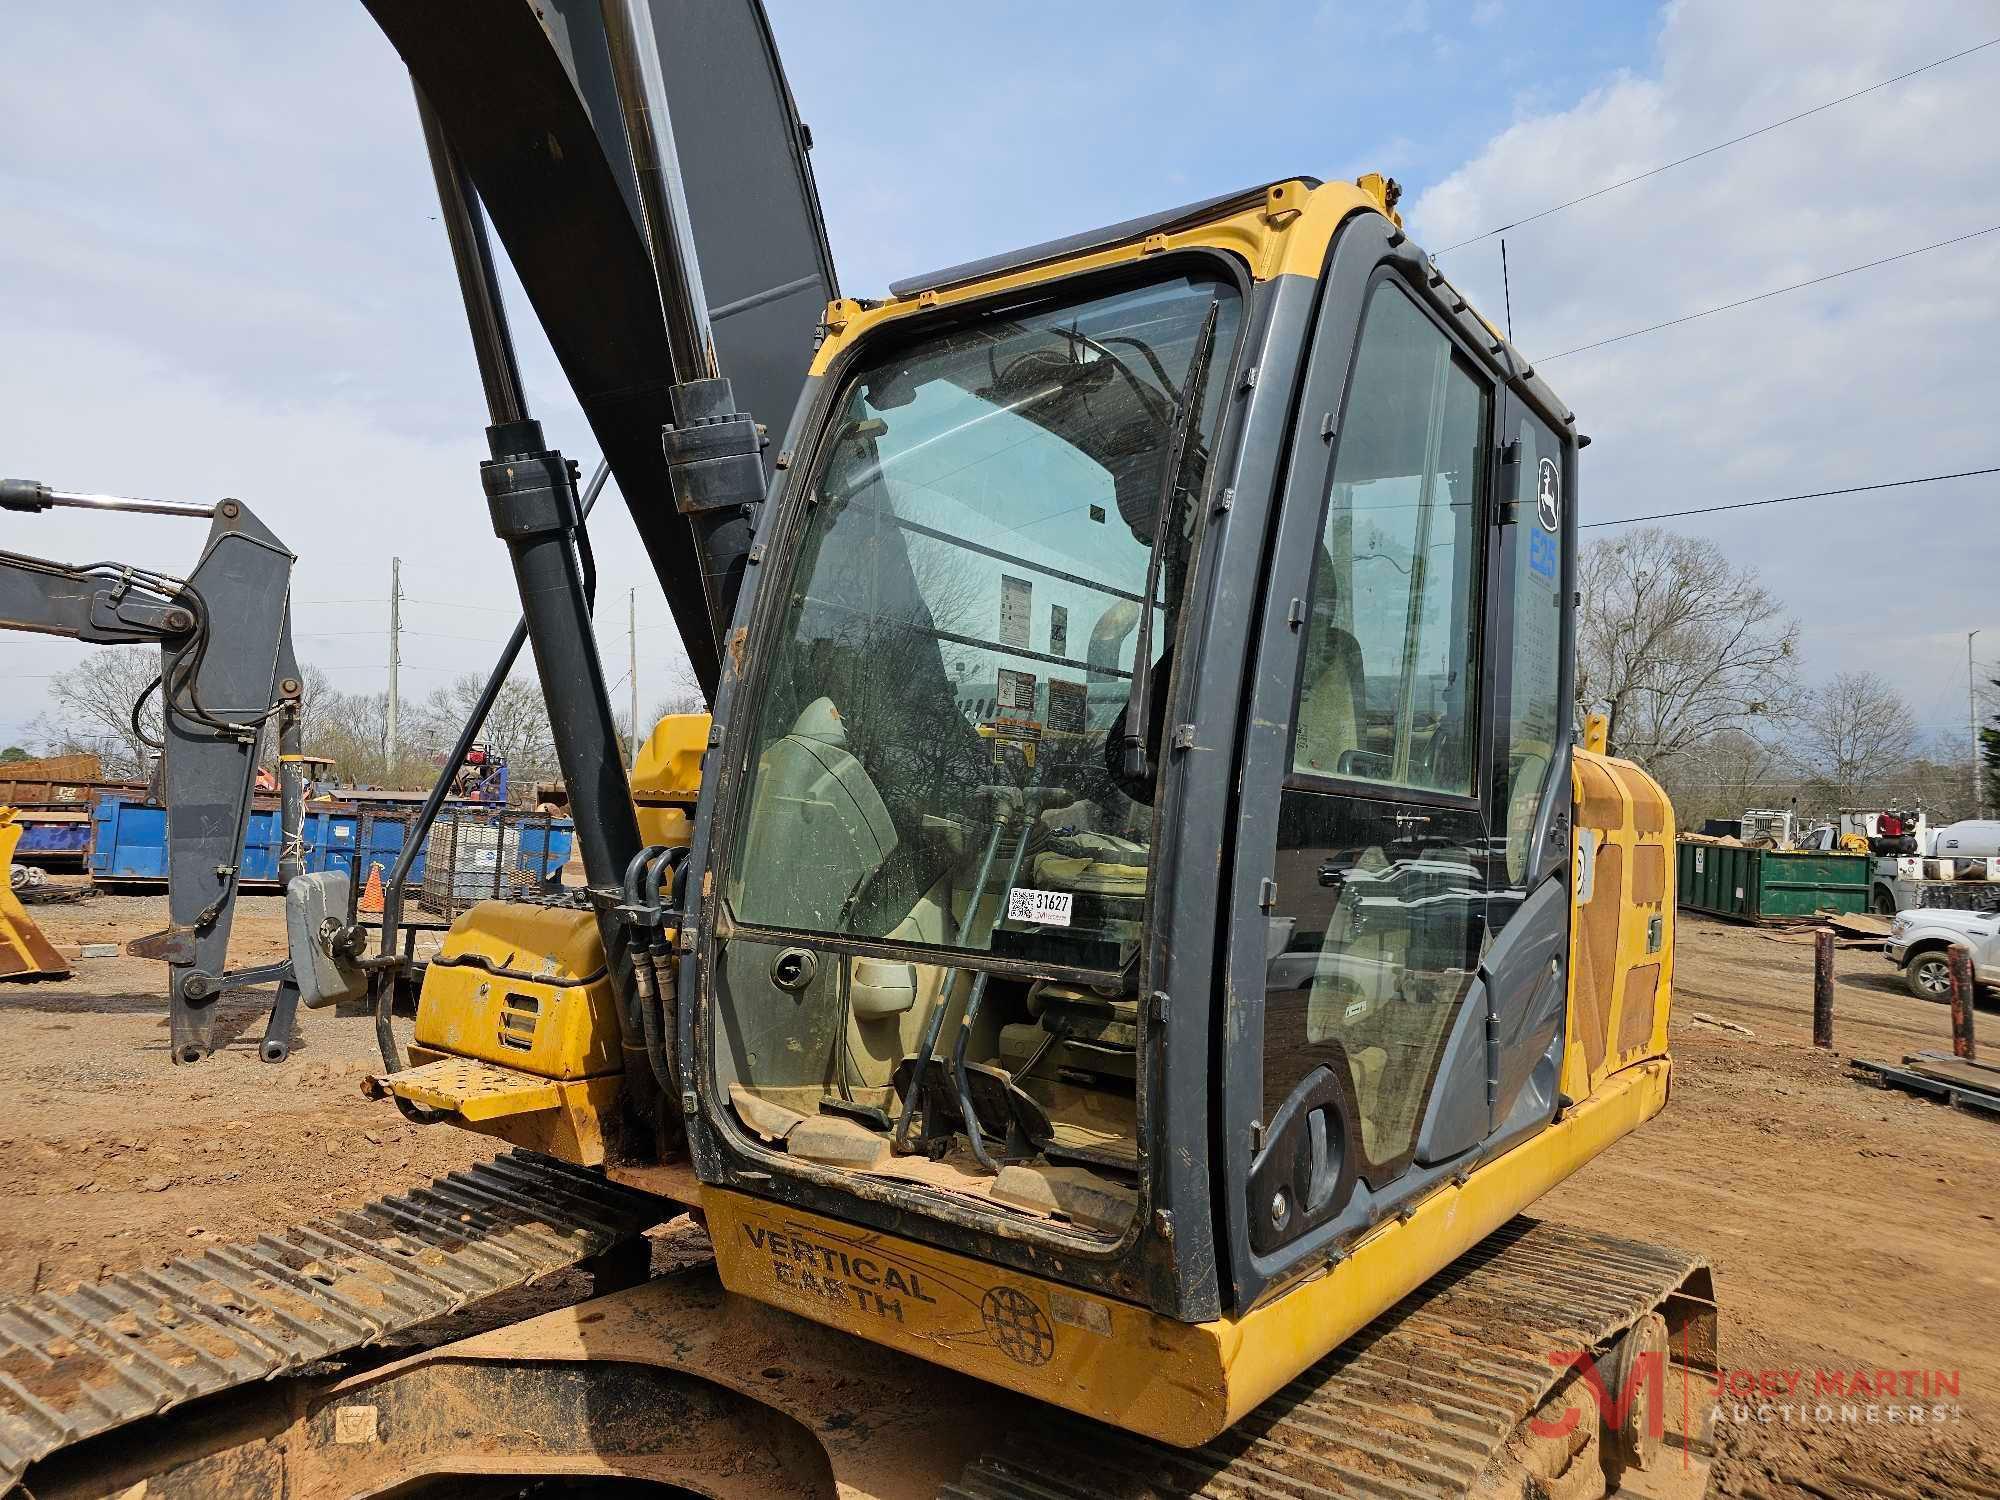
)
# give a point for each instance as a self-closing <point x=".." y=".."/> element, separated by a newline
<point x="1958" y="1081"/>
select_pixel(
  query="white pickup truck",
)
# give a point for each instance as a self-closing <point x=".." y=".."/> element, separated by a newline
<point x="1918" y="940"/>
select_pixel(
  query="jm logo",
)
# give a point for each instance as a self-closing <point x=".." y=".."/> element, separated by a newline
<point x="1648" y="1369"/>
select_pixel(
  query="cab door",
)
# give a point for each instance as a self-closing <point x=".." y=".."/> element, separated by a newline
<point x="1531" y="548"/>
<point x="1357" y="1053"/>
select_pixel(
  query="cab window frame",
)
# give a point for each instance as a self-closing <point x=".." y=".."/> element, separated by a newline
<point x="1479" y="692"/>
<point x="731" y="1156"/>
<point x="790" y="526"/>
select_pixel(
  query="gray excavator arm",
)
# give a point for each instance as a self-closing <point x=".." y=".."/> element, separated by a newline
<point x="226" y="673"/>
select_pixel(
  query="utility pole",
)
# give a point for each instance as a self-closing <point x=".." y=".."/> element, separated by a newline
<point x="632" y="664"/>
<point x="395" y="660"/>
<point x="1972" y="715"/>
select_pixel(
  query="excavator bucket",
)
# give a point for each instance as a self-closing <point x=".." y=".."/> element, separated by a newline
<point x="24" y="952"/>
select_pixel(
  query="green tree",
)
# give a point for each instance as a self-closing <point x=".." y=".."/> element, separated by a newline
<point x="1989" y="758"/>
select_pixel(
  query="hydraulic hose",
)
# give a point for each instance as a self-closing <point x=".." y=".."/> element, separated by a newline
<point x="653" y="991"/>
<point x="652" y="971"/>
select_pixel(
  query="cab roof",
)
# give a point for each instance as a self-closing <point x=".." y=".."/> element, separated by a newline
<point x="1162" y="222"/>
<point x="1279" y="227"/>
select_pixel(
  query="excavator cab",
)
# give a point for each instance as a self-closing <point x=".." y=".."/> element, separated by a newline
<point x="1135" y="838"/>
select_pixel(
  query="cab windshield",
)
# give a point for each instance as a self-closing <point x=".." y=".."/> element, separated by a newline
<point x="936" y="757"/>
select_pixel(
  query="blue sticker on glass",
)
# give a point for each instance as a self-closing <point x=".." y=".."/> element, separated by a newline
<point x="1542" y="555"/>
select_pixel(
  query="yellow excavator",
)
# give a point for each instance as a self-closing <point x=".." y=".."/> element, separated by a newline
<point x="1134" y="934"/>
<point x="24" y="952"/>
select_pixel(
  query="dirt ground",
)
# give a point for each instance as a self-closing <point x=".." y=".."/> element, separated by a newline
<point x="1851" y="1228"/>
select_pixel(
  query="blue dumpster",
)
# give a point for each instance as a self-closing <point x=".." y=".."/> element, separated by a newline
<point x="52" y="838"/>
<point x="129" y="841"/>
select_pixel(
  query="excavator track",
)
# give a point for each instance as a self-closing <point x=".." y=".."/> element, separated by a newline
<point x="1420" y="1403"/>
<point x="680" y="1382"/>
<point x="79" y="1363"/>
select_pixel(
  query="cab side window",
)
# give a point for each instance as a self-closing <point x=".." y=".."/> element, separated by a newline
<point x="1388" y="690"/>
<point x="1529" y="720"/>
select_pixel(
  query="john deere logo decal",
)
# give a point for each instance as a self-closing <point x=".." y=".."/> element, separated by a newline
<point x="1548" y="497"/>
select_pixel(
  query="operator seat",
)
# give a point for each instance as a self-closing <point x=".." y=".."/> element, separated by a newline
<point x="1330" y="707"/>
<point x="817" y="826"/>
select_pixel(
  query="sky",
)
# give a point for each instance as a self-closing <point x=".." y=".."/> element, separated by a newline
<point x="222" y="273"/>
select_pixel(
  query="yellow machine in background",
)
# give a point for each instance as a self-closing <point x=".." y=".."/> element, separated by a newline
<point x="24" y="952"/>
<point x="666" y="779"/>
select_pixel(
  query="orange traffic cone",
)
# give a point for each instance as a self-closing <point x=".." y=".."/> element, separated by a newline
<point x="371" y="894"/>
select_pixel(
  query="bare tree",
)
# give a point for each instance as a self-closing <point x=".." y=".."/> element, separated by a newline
<point x="1936" y="777"/>
<point x="683" y="696"/>
<point x="1726" y="774"/>
<point x="1855" y="733"/>
<point x="352" y="730"/>
<point x="93" y="708"/>
<point x="517" y="728"/>
<point x="1677" y="644"/>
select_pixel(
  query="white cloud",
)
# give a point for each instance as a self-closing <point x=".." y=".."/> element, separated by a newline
<point x="222" y="273"/>
<point x="1883" y="375"/>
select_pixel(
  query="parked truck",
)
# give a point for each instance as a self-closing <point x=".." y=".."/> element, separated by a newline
<point x="1920" y="941"/>
<point x="1953" y="868"/>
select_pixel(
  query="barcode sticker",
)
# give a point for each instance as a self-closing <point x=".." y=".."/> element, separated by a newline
<point x="1049" y="908"/>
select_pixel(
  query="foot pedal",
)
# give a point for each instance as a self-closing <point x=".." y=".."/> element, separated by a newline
<point x="850" y="1109"/>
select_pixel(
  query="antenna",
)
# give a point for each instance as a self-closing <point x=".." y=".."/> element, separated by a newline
<point x="1506" y="290"/>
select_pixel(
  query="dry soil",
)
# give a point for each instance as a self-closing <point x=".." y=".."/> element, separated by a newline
<point x="1851" y="1228"/>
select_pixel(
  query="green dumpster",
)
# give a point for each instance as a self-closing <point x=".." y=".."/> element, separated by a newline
<point x="1769" y="885"/>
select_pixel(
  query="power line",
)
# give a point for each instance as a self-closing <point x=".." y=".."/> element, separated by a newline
<point x="1774" y="292"/>
<point x="1853" y="489"/>
<point x="1720" y="146"/>
<point x="362" y="666"/>
<point x="498" y="609"/>
<point x="477" y="640"/>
